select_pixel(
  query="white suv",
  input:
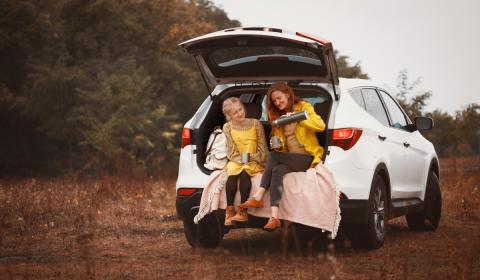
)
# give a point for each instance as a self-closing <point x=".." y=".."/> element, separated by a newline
<point x="384" y="167"/>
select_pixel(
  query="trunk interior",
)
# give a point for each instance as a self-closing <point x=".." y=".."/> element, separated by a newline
<point x="255" y="102"/>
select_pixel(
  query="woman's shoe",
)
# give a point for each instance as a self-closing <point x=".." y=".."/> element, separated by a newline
<point x="229" y="214"/>
<point x="251" y="203"/>
<point x="241" y="216"/>
<point x="273" y="224"/>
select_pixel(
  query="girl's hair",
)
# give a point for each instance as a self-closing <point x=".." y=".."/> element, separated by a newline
<point x="273" y="112"/>
<point x="228" y="103"/>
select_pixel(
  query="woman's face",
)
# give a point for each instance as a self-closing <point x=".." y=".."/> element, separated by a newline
<point x="280" y="99"/>
<point x="236" y="113"/>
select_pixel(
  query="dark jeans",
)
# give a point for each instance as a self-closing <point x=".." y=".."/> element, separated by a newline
<point x="231" y="187"/>
<point x="279" y="164"/>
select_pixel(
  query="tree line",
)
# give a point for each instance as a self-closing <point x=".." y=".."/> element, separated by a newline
<point x="101" y="85"/>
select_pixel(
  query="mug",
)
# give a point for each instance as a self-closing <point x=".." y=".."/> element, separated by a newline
<point x="276" y="143"/>
<point x="245" y="158"/>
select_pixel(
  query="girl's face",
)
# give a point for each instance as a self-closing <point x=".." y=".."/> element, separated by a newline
<point x="236" y="113"/>
<point x="280" y="99"/>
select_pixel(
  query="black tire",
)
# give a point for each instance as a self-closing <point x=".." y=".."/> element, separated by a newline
<point x="372" y="235"/>
<point x="429" y="217"/>
<point x="208" y="233"/>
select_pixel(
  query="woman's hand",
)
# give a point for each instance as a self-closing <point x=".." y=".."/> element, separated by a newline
<point x="288" y="114"/>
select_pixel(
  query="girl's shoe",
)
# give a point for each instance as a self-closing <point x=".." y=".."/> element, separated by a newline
<point x="241" y="216"/>
<point x="229" y="214"/>
<point x="251" y="203"/>
<point x="273" y="224"/>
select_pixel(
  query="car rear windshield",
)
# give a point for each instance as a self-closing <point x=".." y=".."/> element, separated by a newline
<point x="254" y="61"/>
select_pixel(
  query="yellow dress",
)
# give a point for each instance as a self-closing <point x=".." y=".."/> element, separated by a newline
<point x="246" y="142"/>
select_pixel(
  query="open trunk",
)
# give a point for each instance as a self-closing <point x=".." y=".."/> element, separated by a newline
<point x="254" y="98"/>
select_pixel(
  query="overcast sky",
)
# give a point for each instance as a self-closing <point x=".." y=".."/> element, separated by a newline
<point x="437" y="40"/>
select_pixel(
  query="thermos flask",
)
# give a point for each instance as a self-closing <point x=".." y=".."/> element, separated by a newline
<point x="296" y="117"/>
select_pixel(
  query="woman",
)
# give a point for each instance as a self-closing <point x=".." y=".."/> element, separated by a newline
<point x="300" y="149"/>
<point x="246" y="153"/>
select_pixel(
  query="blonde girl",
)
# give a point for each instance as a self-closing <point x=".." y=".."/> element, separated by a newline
<point x="246" y="153"/>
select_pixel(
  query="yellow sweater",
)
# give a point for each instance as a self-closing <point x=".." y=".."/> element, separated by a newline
<point x="306" y="131"/>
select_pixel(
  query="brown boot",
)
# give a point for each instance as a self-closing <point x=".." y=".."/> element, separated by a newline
<point x="273" y="224"/>
<point x="241" y="216"/>
<point x="229" y="214"/>
<point x="252" y="203"/>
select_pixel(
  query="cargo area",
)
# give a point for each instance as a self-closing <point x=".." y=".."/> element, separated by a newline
<point x="254" y="99"/>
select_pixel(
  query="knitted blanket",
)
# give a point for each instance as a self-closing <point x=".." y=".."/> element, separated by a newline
<point x="310" y="198"/>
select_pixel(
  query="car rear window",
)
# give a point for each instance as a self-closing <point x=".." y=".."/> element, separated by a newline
<point x="228" y="57"/>
<point x="265" y="60"/>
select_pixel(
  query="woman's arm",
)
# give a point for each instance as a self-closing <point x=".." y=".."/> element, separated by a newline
<point x="261" y="155"/>
<point x="232" y="151"/>
<point x="313" y="122"/>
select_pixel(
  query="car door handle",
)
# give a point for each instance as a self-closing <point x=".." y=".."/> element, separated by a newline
<point x="382" y="138"/>
<point x="406" y="144"/>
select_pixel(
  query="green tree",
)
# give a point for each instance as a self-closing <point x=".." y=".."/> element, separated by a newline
<point x="412" y="101"/>
<point x="345" y="70"/>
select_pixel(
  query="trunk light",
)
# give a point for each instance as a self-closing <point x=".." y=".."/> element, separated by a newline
<point x="345" y="138"/>
<point x="186" y="191"/>
<point x="185" y="137"/>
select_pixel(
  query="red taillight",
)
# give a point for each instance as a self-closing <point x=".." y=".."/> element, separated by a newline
<point x="186" y="191"/>
<point x="345" y="138"/>
<point x="185" y="137"/>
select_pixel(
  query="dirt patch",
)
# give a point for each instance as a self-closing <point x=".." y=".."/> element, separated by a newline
<point x="121" y="229"/>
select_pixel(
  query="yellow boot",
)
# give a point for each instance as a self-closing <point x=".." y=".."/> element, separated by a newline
<point x="241" y="216"/>
<point x="229" y="214"/>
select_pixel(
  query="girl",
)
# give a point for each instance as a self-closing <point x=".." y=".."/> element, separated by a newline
<point x="246" y="153"/>
<point x="300" y="149"/>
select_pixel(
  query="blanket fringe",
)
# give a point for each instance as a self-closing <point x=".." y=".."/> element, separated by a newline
<point x="206" y="208"/>
<point x="338" y="216"/>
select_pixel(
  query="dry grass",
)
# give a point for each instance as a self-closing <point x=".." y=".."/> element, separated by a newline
<point x="114" y="228"/>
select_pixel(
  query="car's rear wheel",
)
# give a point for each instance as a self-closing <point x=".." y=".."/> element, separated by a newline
<point x="372" y="235"/>
<point x="208" y="233"/>
<point x="429" y="217"/>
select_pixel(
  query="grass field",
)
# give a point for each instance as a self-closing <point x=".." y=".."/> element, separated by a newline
<point x="112" y="228"/>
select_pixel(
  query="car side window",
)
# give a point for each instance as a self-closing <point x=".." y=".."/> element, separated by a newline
<point x="396" y="114"/>
<point x="357" y="97"/>
<point x="374" y="105"/>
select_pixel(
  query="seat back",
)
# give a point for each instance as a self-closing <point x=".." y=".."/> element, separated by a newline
<point x="253" y="110"/>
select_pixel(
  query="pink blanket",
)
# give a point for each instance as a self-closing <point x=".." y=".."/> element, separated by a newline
<point x="310" y="198"/>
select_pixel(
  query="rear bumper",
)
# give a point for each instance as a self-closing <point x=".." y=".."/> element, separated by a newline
<point x="354" y="211"/>
<point x="187" y="206"/>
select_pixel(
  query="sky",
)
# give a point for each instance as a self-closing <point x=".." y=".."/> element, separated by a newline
<point x="437" y="41"/>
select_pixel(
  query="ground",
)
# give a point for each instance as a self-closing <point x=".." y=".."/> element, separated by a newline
<point x="111" y="228"/>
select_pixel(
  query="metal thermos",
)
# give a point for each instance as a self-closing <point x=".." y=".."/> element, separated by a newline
<point x="296" y="117"/>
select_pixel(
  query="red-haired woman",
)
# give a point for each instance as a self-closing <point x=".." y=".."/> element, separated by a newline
<point x="299" y="152"/>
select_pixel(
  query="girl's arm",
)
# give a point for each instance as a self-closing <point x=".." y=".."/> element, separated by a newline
<point x="261" y="155"/>
<point x="232" y="151"/>
<point x="313" y="122"/>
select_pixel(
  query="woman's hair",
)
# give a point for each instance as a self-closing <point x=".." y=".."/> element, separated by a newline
<point x="228" y="104"/>
<point x="273" y="112"/>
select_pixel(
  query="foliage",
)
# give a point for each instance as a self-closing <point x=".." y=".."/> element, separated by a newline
<point x="345" y="70"/>
<point x="98" y="84"/>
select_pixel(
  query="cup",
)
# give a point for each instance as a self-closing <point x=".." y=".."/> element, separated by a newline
<point x="245" y="158"/>
<point x="276" y="143"/>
